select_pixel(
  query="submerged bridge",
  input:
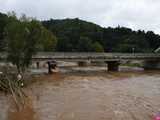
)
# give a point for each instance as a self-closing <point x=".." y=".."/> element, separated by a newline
<point x="113" y="60"/>
<point x="150" y="60"/>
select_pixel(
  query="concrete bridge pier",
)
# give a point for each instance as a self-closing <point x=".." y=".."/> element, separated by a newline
<point x="38" y="65"/>
<point x="151" y="64"/>
<point x="113" y="65"/>
<point x="83" y="63"/>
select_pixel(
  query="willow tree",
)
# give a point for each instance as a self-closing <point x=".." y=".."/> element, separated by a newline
<point x="24" y="37"/>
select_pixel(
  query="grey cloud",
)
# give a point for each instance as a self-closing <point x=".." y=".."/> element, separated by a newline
<point x="137" y="14"/>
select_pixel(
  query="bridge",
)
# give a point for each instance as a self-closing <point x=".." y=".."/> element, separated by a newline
<point x="113" y="60"/>
<point x="150" y="60"/>
<point x="74" y="56"/>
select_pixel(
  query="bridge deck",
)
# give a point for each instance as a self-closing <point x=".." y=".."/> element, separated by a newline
<point x="74" y="56"/>
<point x="97" y="56"/>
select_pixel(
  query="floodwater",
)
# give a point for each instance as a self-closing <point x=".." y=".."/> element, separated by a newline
<point x="125" y="95"/>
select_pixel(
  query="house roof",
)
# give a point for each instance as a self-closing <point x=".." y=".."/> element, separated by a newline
<point x="157" y="50"/>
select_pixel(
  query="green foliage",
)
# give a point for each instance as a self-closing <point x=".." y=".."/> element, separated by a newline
<point x="84" y="45"/>
<point x="24" y="38"/>
<point x="20" y="47"/>
<point x="73" y="35"/>
<point x="120" y="39"/>
<point x="3" y="23"/>
<point x="48" y="41"/>
<point x="98" y="47"/>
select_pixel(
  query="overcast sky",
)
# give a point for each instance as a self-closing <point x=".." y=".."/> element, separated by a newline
<point x="136" y="14"/>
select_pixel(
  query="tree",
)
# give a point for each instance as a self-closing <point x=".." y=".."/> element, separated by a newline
<point x="47" y="41"/>
<point x="71" y="32"/>
<point x="23" y="39"/>
<point x="98" y="47"/>
<point x="3" y="23"/>
<point x="84" y="45"/>
<point x="119" y="39"/>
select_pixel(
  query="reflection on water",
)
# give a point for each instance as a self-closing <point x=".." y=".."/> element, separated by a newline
<point x="121" y="95"/>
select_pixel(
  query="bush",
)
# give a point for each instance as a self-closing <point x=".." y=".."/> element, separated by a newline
<point x="9" y="83"/>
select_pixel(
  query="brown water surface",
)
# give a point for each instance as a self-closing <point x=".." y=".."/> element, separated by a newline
<point x="91" y="96"/>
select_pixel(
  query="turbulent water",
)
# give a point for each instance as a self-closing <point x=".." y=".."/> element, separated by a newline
<point x="126" y="95"/>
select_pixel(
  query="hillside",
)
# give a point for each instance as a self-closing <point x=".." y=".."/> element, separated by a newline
<point x="79" y="35"/>
<point x="75" y="35"/>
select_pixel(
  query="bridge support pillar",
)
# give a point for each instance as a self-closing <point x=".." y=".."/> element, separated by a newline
<point x="151" y="64"/>
<point x="37" y="65"/>
<point x="82" y="63"/>
<point x="113" y="65"/>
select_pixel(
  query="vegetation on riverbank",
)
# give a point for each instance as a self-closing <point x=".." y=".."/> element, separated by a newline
<point x="21" y="39"/>
<point x="10" y="83"/>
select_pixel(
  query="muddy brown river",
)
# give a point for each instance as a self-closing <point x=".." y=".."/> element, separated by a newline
<point x="125" y="95"/>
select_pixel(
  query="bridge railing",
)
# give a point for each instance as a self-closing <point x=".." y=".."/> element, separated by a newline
<point x="81" y="55"/>
<point x="84" y="54"/>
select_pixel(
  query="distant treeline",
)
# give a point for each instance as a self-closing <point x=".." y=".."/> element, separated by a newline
<point x="78" y="35"/>
<point x="75" y="35"/>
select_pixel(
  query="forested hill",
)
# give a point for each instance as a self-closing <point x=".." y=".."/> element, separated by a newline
<point x="3" y="23"/>
<point x="79" y="35"/>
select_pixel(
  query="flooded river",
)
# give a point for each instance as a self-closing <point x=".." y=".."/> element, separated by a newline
<point x="125" y="95"/>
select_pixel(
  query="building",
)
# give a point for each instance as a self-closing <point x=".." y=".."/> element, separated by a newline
<point x="157" y="50"/>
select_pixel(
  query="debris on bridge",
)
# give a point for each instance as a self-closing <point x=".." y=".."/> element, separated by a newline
<point x="52" y="67"/>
